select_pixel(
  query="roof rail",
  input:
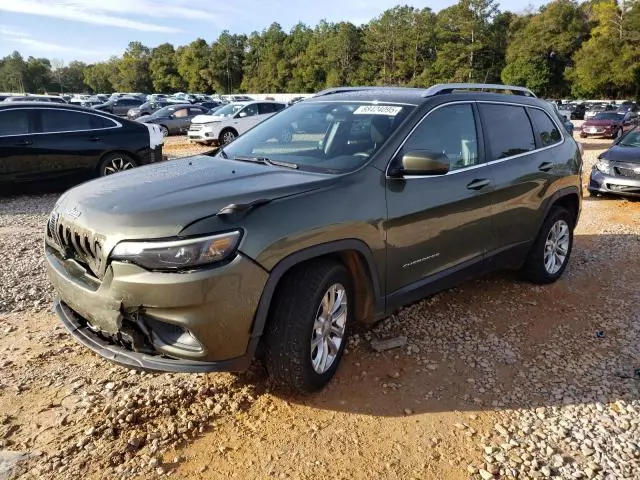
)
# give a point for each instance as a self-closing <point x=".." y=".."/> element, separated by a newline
<point x="331" y="91"/>
<point x="443" y="88"/>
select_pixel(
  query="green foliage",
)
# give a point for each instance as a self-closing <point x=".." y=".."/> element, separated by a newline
<point x="584" y="49"/>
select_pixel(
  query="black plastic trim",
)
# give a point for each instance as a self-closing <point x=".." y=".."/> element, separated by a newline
<point x="141" y="361"/>
<point x="296" y="258"/>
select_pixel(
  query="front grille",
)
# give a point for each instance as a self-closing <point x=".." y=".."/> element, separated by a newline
<point x="627" y="170"/>
<point x="196" y="127"/>
<point x="76" y="243"/>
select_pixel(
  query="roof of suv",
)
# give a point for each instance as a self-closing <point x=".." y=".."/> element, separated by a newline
<point x="417" y="96"/>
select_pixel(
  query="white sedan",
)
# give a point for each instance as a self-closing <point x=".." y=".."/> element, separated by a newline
<point x="230" y="121"/>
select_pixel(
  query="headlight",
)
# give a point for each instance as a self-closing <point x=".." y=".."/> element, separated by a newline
<point x="604" y="166"/>
<point x="178" y="254"/>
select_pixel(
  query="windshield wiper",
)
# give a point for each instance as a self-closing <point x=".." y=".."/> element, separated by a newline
<point x="266" y="161"/>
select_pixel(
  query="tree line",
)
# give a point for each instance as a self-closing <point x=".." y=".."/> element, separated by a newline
<point x="566" y="48"/>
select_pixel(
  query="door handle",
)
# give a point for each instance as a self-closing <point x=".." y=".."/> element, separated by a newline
<point x="545" y="166"/>
<point x="478" y="184"/>
<point x="95" y="139"/>
<point x="24" y="143"/>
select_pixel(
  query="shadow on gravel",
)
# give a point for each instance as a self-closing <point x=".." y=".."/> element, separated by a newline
<point x="601" y="144"/>
<point x="498" y="343"/>
<point x="36" y="188"/>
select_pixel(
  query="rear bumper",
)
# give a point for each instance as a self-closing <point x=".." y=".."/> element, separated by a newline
<point x="136" y="360"/>
<point x="602" y="183"/>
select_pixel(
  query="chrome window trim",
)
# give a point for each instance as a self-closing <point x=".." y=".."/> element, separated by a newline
<point x="472" y="167"/>
<point x="116" y="123"/>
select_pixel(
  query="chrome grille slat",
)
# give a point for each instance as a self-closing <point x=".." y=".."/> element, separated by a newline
<point x="77" y="243"/>
<point x="627" y="169"/>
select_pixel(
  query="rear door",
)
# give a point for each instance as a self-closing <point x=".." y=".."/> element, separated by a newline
<point x="523" y="167"/>
<point x="17" y="158"/>
<point x="70" y="141"/>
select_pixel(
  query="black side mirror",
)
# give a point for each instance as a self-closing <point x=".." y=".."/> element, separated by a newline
<point x="422" y="162"/>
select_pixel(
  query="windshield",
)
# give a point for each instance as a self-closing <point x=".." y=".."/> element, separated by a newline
<point x="167" y="111"/>
<point x="331" y="137"/>
<point x="230" y="110"/>
<point x="608" y="116"/>
<point x="632" y="139"/>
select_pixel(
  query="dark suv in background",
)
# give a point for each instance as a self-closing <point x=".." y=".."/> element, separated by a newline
<point x="120" y="106"/>
<point x="284" y="241"/>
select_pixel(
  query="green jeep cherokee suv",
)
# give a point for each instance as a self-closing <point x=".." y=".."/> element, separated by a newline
<point x="291" y="234"/>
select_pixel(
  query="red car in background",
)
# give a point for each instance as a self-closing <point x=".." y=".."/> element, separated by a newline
<point x="608" y="124"/>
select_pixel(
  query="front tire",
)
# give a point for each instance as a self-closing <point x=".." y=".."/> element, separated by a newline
<point x="308" y="326"/>
<point x="551" y="250"/>
<point x="227" y="136"/>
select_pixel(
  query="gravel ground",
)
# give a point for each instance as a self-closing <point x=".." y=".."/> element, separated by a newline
<point x="499" y="379"/>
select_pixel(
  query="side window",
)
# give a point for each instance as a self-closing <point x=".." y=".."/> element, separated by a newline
<point x="547" y="131"/>
<point x="249" y="110"/>
<point x="196" y="111"/>
<point x="450" y="130"/>
<point x="101" y="122"/>
<point x="508" y="130"/>
<point x="14" y="122"/>
<point x="182" y="113"/>
<point x="64" y="121"/>
<point x="266" y="108"/>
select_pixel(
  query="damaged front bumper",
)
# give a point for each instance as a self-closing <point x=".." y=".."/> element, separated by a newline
<point x="600" y="182"/>
<point x="181" y="322"/>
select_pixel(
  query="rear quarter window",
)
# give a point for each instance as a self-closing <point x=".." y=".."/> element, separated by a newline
<point x="508" y="130"/>
<point x="548" y="133"/>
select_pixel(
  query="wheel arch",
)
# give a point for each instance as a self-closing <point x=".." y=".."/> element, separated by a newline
<point x="357" y="258"/>
<point x="569" y="199"/>
<point x="227" y="129"/>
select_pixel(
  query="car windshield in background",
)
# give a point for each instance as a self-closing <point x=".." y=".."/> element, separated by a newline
<point x="230" y="110"/>
<point x="608" y="116"/>
<point x="330" y="137"/>
<point x="632" y="139"/>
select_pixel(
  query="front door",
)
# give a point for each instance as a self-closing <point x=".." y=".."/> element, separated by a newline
<point x="439" y="224"/>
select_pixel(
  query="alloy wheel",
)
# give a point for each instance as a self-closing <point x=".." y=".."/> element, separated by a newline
<point x="556" y="247"/>
<point x="116" y="165"/>
<point x="329" y="328"/>
<point x="228" y="137"/>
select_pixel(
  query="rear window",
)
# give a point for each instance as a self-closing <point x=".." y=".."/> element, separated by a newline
<point x="508" y="130"/>
<point x="548" y="133"/>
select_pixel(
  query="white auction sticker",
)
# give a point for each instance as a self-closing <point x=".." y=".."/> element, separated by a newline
<point x="378" y="110"/>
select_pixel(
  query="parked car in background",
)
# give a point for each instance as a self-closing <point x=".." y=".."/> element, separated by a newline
<point x="567" y="124"/>
<point x="607" y="124"/>
<point x="630" y="109"/>
<point x="230" y="121"/>
<point x="174" y="119"/>
<point x="594" y="109"/>
<point x="41" y="141"/>
<point x="575" y="111"/>
<point x="119" y="106"/>
<point x="618" y="168"/>
<point x="295" y="100"/>
<point x="79" y="99"/>
<point x="208" y="104"/>
<point x="208" y="260"/>
<point x="237" y="98"/>
<point x="36" y="98"/>
<point x="147" y="108"/>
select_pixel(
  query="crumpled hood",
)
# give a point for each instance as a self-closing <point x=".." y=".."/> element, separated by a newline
<point x="159" y="200"/>
<point x="619" y="153"/>
<point x="208" y="118"/>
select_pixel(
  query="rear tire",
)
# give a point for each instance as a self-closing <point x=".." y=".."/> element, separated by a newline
<point x="114" y="163"/>
<point x="304" y="344"/>
<point x="164" y="130"/>
<point x="551" y="250"/>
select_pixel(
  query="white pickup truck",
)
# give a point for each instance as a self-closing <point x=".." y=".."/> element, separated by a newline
<point x="230" y="121"/>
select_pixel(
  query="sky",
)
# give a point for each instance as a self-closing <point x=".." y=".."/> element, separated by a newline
<point x="94" y="30"/>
